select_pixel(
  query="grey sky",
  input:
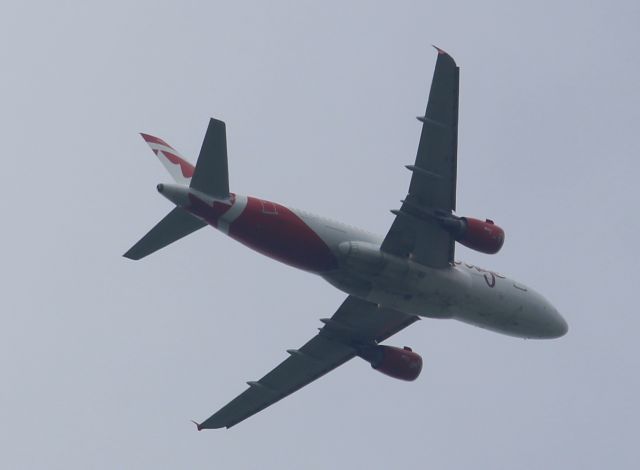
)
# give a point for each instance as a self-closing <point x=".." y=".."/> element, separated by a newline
<point x="104" y="360"/>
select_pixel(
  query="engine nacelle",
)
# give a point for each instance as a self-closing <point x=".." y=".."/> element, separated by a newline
<point x="483" y="236"/>
<point x="398" y="363"/>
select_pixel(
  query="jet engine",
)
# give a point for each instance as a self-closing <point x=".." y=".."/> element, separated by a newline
<point x="398" y="363"/>
<point x="483" y="236"/>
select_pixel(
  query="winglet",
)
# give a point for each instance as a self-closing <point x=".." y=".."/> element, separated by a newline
<point x="198" y="425"/>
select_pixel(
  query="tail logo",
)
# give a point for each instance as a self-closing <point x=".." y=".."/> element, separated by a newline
<point x="180" y="169"/>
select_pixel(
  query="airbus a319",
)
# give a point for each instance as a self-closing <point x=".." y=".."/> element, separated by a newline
<point x="390" y="281"/>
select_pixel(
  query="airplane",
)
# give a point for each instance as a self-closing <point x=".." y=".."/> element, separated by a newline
<point x="390" y="281"/>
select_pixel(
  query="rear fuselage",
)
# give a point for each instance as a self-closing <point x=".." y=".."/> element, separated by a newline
<point x="351" y="260"/>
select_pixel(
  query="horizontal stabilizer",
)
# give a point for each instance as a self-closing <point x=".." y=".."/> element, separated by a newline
<point x="211" y="175"/>
<point x="177" y="224"/>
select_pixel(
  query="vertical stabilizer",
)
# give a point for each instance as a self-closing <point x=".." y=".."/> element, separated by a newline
<point x="177" y="166"/>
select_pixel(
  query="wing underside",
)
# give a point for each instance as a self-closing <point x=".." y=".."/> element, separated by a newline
<point x="416" y="231"/>
<point x="357" y="323"/>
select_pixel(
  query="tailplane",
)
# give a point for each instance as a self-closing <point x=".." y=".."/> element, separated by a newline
<point x="177" y="224"/>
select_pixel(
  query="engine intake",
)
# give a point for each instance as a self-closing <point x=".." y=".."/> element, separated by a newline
<point x="403" y="364"/>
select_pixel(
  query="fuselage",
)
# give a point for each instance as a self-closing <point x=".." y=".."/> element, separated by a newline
<point x="351" y="260"/>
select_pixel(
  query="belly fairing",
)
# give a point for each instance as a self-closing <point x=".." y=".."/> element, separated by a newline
<point x="399" y="283"/>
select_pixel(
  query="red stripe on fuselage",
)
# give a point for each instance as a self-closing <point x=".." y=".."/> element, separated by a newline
<point x="282" y="235"/>
<point x="274" y="231"/>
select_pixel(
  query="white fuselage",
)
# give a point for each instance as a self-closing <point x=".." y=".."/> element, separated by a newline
<point x="462" y="291"/>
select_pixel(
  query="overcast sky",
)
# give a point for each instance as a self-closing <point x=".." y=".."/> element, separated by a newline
<point x="103" y="361"/>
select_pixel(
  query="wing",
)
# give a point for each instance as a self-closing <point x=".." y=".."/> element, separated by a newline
<point x="355" y="324"/>
<point x="432" y="192"/>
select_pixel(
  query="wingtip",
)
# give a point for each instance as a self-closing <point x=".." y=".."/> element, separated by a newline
<point x="198" y="425"/>
<point x="444" y="54"/>
<point x="131" y="254"/>
<point x="440" y="51"/>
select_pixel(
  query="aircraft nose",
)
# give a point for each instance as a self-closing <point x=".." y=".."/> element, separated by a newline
<point x="555" y="324"/>
<point x="560" y="326"/>
<point x="548" y="323"/>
